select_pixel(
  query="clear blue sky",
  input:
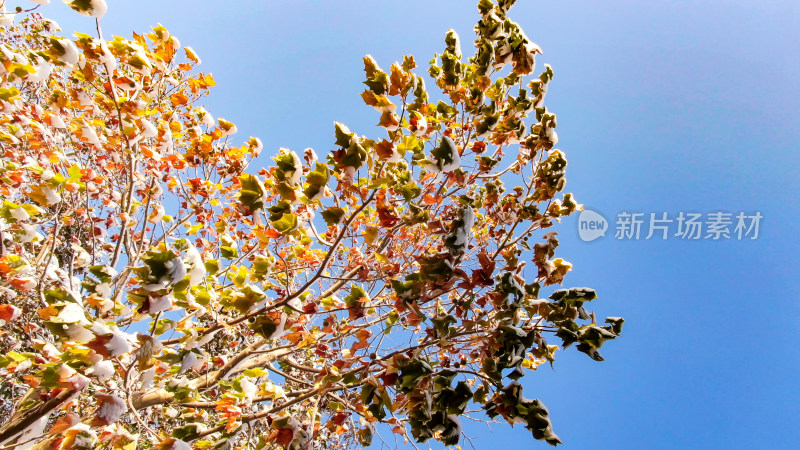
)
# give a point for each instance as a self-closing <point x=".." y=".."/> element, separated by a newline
<point x="662" y="106"/>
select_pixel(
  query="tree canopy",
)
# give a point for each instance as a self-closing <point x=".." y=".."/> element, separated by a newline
<point x="159" y="290"/>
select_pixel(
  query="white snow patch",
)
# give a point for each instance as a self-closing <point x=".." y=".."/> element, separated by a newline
<point x="79" y="333"/>
<point x="71" y="55"/>
<point x="260" y="146"/>
<point x="120" y="342"/>
<point x="207" y="119"/>
<point x="57" y="121"/>
<point x="51" y="26"/>
<point x="88" y="133"/>
<point x="103" y="290"/>
<point x="148" y="129"/>
<point x="197" y="270"/>
<point x="160" y="304"/>
<point x="111" y="407"/>
<point x="107" y="58"/>
<point x="157" y="214"/>
<point x="102" y="370"/>
<point x="147" y="376"/>
<point x="84" y="99"/>
<point x="19" y="213"/>
<point x="176" y="269"/>
<point x="51" y="195"/>
<point x="180" y="445"/>
<point x="188" y="361"/>
<point x="33" y="430"/>
<point x="72" y="313"/>
<point x="43" y="71"/>
<point x="455" y="162"/>
<point x="6" y="18"/>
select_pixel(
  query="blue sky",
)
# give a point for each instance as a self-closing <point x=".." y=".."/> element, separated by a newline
<point x="663" y="106"/>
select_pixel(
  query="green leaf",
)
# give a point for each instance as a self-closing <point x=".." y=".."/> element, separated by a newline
<point x="163" y="326"/>
<point x="446" y="153"/>
<point x="355" y="156"/>
<point x="281" y="218"/>
<point x="343" y="134"/>
<point x="316" y="181"/>
<point x="332" y="216"/>
<point x="247" y="297"/>
<point x="9" y="94"/>
<point x="103" y="273"/>
<point x="228" y="252"/>
<point x="336" y="406"/>
<point x="285" y="224"/>
<point x="377" y="79"/>
<point x="212" y="266"/>
<point x="485" y="7"/>
<point x="574" y="296"/>
<point x="289" y="168"/>
<point x="356" y="294"/>
<point x="252" y="195"/>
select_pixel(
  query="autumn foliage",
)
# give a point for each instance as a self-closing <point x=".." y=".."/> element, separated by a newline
<point x="159" y="289"/>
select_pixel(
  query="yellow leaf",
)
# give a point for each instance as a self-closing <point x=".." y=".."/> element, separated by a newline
<point x="194" y="229"/>
<point x="192" y="55"/>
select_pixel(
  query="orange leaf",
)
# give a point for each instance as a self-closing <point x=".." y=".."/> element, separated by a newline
<point x="294" y="338"/>
<point x="9" y="313"/>
<point x="179" y="98"/>
<point x="431" y="200"/>
<point x="65" y="422"/>
<point x="48" y="312"/>
<point x="363" y="334"/>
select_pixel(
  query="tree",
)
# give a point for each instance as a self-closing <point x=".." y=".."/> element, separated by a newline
<point x="157" y="290"/>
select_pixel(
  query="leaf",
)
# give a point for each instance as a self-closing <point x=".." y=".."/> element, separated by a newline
<point x="332" y="216"/>
<point x="252" y="196"/>
<point x="92" y="8"/>
<point x="255" y="372"/>
<point x="380" y="102"/>
<point x="281" y="218"/>
<point x="287" y="223"/>
<point x="574" y="296"/>
<point x="289" y="167"/>
<point x="409" y="191"/>
<point x="343" y="135"/>
<point x="316" y="181"/>
<point x="365" y="436"/>
<point x="9" y="94"/>
<point x="399" y="79"/>
<point x="74" y="172"/>
<point x="385" y="150"/>
<point x="377" y="80"/>
<point x="357" y="295"/>
<point x="370" y="234"/>
<point x="389" y="120"/>
<point x="191" y="55"/>
<point x="9" y="313"/>
<point x="446" y="154"/>
<point x="44" y="195"/>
